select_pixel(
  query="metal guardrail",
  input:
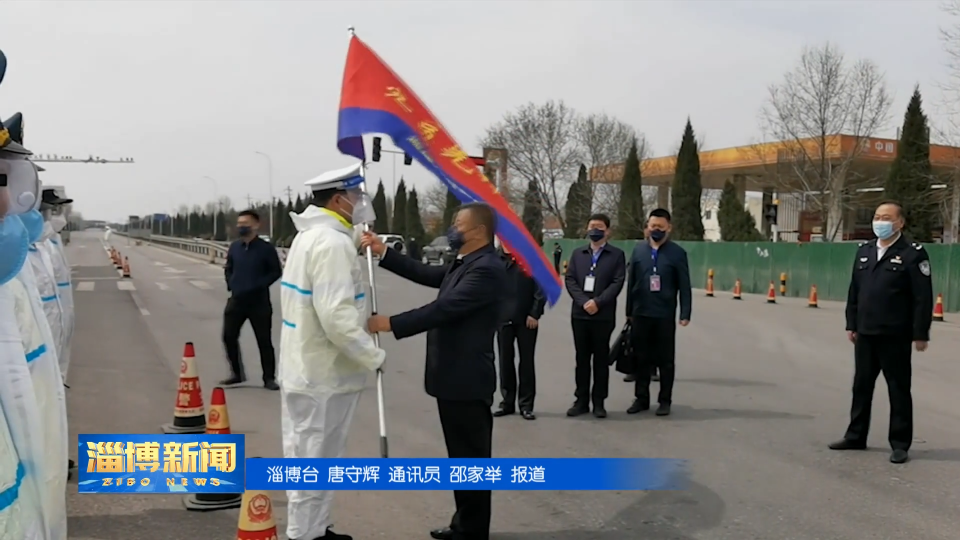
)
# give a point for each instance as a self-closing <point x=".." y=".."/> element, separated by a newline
<point x="210" y="251"/>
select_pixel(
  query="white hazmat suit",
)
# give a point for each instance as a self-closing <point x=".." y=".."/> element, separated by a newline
<point x="46" y="282"/>
<point x="53" y="246"/>
<point x="325" y="352"/>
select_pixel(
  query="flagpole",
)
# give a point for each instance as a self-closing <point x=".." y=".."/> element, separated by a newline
<point x="384" y="447"/>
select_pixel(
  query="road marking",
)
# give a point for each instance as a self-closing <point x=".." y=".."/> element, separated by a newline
<point x="139" y="304"/>
<point x="163" y="286"/>
<point x="173" y="270"/>
<point x="159" y="263"/>
<point x="201" y="284"/>
<point x="82" y="246"/>
<point x="85" y="285"/>
<point x="126" y="286"/>
<point x="99" y="278"/>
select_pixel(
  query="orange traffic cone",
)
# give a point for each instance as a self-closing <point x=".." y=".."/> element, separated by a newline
<point x="126" y="267"/>
<point x="772" y="295"/>
<point x="218" y="423"/>
<point x="813" y="297"/>
<point x="188" y="414"/>
<point x="118" y="261"/>
<point x="737" y="290"/>
<point x="938" y="308"/>
<point x="710" y="282"/>
<point x="256" y="517"/>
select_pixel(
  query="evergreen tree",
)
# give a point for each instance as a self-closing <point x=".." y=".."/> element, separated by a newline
<point x="298" y="206"/>
<point x="687" y="190"/>
<point x="380" y="208"/>
<point x="533" y="211"/>
<point x="910" y="174"/>
<point x="630" y="217"/>
<point x="399" y="225"/>
<point x="578" y="206"/>
<point x="736" y="222"/>
<point x="450" y="209"/>
<point x="414" y="219"/>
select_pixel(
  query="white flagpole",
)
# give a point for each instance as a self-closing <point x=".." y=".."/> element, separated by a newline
<point x="384" y="447"/>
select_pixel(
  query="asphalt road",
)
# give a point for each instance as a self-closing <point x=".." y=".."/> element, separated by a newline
<point x="762" y="389"/>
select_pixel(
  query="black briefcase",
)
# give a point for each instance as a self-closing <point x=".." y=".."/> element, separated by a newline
<point x="621" y="352"/>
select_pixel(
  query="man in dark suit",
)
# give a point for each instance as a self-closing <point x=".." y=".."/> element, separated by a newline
<point x="460" y="326"/>
<point x="595" y="276"/>
<point x="524" y="310"/>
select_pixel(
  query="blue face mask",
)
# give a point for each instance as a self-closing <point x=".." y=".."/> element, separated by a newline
<point x="883" y="229"/>
<point x="33" y="221"/>
<point x="455" y="239"/>
<point x="14" y="243"/>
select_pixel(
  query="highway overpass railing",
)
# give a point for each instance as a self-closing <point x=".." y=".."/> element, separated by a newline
<point x="205" y="250"/>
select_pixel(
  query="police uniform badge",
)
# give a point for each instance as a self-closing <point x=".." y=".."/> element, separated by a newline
<point x="925" y="268"/>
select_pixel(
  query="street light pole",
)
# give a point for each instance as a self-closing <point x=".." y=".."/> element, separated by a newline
<point x="216" y="195"/>
<point x="270" y="187"/>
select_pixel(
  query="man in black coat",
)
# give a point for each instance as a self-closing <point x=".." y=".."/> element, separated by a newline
<point x="413" y="248"/>
<point x="523" y="312"/>
<point x="460" y="326"/>
<point x="595" y="277"/>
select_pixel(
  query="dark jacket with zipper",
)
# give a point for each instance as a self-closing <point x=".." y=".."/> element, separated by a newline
<point x="609" y="276"/>
<point x="524" y="297"/>
<point x="674" y="275"/>
<point x="252" y="267"/>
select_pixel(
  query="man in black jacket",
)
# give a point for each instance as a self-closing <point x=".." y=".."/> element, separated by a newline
<point x="659" y="273"/>
<point x="252" y="267"/>
<point x="595" y="276"/>
<point x="889" y="309"/>
<point x="460" y="326"/>
<point x="525" y="307"/>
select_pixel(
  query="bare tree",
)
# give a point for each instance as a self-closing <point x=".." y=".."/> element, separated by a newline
<point x="605" y="140"/>
<point x="950" y="132"/>
<point x="606" y="194"/>
<point x="822" y="98"/>
<point x="543" y="147"/>
<point x="434" y="198"/>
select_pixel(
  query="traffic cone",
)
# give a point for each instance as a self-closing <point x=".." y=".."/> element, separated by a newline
<point x="218" y="423"/>
<point x="118" y="261"/>
<point x="710" y="283"/>
<point x="772" y="295"/>
<point x="812" y="302"/>
<point x="126" y="267"/>
<point x="188" y="414"/>
<point x="256" y="517"/>
<point x="938" y="308"/>
<point x="737" y="290"/>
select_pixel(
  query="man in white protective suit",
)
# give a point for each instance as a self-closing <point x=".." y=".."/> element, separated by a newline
<point x="325" y="350"/>
<point x="23" y="512"/>
<point x="51" y="207"/>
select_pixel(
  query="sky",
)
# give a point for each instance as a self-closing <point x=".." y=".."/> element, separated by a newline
<point x="194" y="89"/>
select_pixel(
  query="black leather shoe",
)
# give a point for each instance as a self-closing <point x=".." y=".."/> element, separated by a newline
<point x="503" y="412"/>
<point x="528" y="415"/>
<point x="330" y="535"/>
<point x="847" y="444"/>
<point x="577" y="410"/>
<point x="445" y="533"/>
<point x="599" y="411"/>
<point x="663" y="409"/>
<point x="272" y="385"/>
<point x="630" y="378"/>
<point x="234" y="380"/>
<point x="638" y="406"/>
<point x="899" y="456"/>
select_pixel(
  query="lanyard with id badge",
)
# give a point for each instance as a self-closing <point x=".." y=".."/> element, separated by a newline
<point x="655" y="277"/>
<point x="590" y="282"/>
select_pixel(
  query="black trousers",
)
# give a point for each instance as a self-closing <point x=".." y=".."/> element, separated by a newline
<point x="591" y="339"/>
<point x="260" y="314"/>
<point x="891" y="356"/>
<point x="655" y="342"/>
<point x="556" y="261"/>
<point x="468" y="432"/>
<point x="526" y="341"/>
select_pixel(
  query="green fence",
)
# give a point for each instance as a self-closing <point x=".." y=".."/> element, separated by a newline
<point x="825" y="265"/>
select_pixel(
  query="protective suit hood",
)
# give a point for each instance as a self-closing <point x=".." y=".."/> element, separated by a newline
<point x="48" y="232"/>
<point x="313" y="217"/>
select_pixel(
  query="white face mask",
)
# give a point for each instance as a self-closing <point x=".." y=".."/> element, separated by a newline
<point x="58" y="223"/>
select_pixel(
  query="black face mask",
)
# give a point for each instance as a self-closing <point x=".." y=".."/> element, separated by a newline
<point x="596" y="235"/>
<point x="657" y="235"/>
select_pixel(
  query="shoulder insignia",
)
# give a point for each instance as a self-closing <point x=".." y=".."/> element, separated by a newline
<point x="918" y="246"/>
<point x="925" y="268"/>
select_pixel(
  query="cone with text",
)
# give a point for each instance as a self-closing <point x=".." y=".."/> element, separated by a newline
<point x="938" y="308"/>
<point x="772" y="294"/>
<point x="218" y="423"/>
<point x="256" y="517"/>
<point x="812" y="302"/>
<point x="188" y="411"/>
<point x="738" y="290"/>
<point x="710" y="283"/>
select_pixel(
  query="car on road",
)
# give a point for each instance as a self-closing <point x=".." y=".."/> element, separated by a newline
<point x="438" y="252"/>
<point x="394" y="241"/>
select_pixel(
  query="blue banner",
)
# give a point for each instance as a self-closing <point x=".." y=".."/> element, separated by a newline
<point x="442" y="474"/>
<point x="121" y="463"/>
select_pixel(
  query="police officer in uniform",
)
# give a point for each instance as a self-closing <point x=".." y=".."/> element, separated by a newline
<point x="889" y="311"/>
